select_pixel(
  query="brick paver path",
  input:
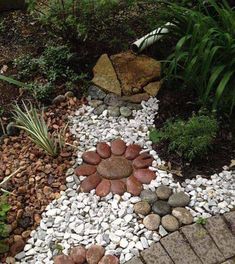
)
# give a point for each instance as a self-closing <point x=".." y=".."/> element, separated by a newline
<point x="212" y="243"/>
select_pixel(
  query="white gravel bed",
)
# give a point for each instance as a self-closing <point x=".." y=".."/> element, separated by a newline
<point x="87" y="219"/>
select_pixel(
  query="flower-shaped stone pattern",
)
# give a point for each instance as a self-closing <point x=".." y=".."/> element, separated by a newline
<point x="117" y="168"/>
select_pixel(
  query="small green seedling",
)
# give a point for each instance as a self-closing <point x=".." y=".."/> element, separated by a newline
<point x="59" y="248"/>
<point x="201" y="221"/>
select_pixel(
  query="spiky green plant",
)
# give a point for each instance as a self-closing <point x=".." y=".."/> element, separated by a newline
<point x="204" y="56"/>
<point x="34" y="124"/>
<point x="13" y="81"/>
<point x="190" y="139"/>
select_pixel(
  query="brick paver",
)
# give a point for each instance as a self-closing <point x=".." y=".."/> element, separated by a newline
<point x="134" y="260"/>
<point x="202" y="244"/>
<point x="156" y="254"/>
<point x="179" y="249"/>
<point x="230" y="261"/>
<point x="213" y="243"/>
<point x="230" y="218"/>
<point x="222" y="236"/>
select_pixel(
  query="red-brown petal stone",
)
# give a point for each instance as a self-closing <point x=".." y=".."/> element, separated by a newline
<point x="78" y="254"/>
<point x="144" y="175"/>
<point x="133" y="186"/>
<point x="118" y="147"/>
<point x="85" y="170"/>
<point x="118" y="187"/>
<point x="91" y="157"/>
<point x="132" y="151"/>
<point x="103" y="188"/>
<point x="63" y="259"/>
<point x="104" y="150"/>
<point x="108" y="259"/>
<point x="90" y="183"/>
<point x="94" y="254"/>
<point x="143" y="161"/>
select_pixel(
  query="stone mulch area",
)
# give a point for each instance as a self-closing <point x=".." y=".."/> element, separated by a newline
<point x="212" y="243"/>
<point x="117" y="194"/>
<point x="40" y="178"/>
<point x="112" y="220"/>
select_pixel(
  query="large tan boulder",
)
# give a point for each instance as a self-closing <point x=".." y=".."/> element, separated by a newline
<point x="153" y="88"/>
<point x="135" y="71"/>
<point x="136" y="98"/>
<point x="105" y="76"/>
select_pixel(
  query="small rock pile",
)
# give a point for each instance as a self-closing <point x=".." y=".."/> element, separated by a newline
<point x="95" y="254"/>
<point x="112" y="104"/>
<point x="165" y="208"/>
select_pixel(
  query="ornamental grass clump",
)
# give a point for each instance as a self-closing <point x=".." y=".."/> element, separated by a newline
<point x="189" y="139"/>
<point x="35" y="126"/>
<point x="204" y="56"/>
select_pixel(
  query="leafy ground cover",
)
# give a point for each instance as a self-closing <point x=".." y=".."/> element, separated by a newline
<point x="180" y="105"/>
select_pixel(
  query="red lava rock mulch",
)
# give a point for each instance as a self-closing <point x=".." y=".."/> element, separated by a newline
<point x="40" y="179"/>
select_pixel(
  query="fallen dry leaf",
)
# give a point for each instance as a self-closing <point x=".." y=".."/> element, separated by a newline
<point x="3" y="69"/>
<point x="232" y="163"/>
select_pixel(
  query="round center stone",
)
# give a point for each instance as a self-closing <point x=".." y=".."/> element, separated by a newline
<point x="115" y="168"/>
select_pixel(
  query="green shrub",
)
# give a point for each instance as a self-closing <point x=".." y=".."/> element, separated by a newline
<point x="109" y="22"/>
<point x="189" y="139"/>
<point x="4" y="228"/>
<point x="54" y="64"/>
<point x="4" y="208"/>
<point x="41" y="92"/>
<point x="35" y="126"/>
<point x="204" y="56"/>
<point x="26" y="67"/>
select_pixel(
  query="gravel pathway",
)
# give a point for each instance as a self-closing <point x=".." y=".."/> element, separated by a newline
<point x="84" y="218"/>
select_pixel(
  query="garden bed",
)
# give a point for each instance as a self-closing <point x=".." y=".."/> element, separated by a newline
<point x="178" y="104"/>
<point x="104" y="181"/>
<point x="40" y="177"/>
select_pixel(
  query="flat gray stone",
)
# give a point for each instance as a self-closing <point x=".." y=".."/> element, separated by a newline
<point x="113" y="100"/>
<point x="100" y="109"/>
<point x="161" y="208"/>
<point x="156" y="254"/>
<point x="148" y="196"/>
<point x="125" y="111"/>
<point x="179" y="199"/>
<point x="230" y="218"/>
<point x="202" y="244"/>
<point x="134" y="260"/>
<point x="95" y="103"/>
<point x="179" y="249"/>
<point x="114" y="111"/>
<point x="96" y="93"/>
<point x="222" y="236"/>
<point x="163" y="192"/>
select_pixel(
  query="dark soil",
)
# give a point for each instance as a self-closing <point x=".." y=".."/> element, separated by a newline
<point x="19" y="36"/>
<point x="180" y="104"/>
